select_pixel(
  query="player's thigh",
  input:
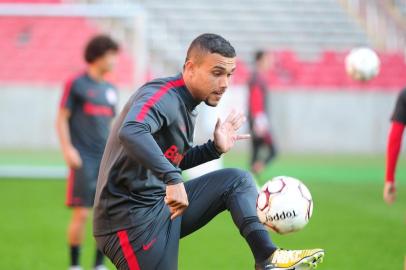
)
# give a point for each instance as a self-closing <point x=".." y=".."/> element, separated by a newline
<point x="169" y="259"/>
<point x="262" y="140"/>
<point x="160" y="252"/>
<point x="208" y="196"/>
<point x="268" y="138"/>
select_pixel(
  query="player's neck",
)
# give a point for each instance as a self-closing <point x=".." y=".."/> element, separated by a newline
<point x="261" y="72"/>
<point x="95" y="73"/>
<point x="188" y="85"/>
<point x="261" y="69"/>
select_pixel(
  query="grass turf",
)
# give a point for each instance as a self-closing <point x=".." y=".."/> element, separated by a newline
<point x="350" y="220"/>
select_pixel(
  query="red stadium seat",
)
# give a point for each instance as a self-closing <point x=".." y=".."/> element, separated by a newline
<point x="37" y="53"/>
<point x="329" y="72"/>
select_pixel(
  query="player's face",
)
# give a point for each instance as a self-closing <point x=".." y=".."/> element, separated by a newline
<point x="211" y="77"/>
<point x="265" y="63"/>
<point x="107" y="62"/>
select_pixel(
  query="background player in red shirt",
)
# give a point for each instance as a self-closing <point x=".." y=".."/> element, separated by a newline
<point x="83" y="123"/>
<point x="394" y="145"/>
<point x="259" y="114"/>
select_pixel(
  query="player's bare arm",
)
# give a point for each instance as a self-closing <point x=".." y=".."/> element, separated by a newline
<point x="70" y="153"/>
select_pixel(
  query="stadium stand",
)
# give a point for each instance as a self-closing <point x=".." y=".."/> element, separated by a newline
<point x="401" y="5"/>
<point x="49" y="50"/>
<point x="328" y="72"/>
<point x="309" y="40"/>
<point x="306" y="27"/>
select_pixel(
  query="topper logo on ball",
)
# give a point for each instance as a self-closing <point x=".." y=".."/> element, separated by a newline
<point x="281" y="216"/>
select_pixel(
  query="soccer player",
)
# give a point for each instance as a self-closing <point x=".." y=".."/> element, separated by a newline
<point x="142" y="206"/>
<point x="398" y="123"/>
<point x="258" y="115"/>
<point x="83" y="123"/>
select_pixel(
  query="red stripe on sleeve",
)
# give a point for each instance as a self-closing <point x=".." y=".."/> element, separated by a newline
<point x="393" y="149"/>
<point x="156" y="97"/>
<point x="128" y="251"/>
<point x="66" y="93"/>
<point x="256" y="101"/>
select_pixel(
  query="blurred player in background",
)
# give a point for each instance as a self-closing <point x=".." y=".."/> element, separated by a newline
<point x="143" y="207"/>
<point x="83" y="123"/>
<point x="393" y="147"/>
<point x="259" y="115"/>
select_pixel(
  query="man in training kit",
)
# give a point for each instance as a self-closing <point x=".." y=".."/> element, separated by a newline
<point x="398" y="122"/>
<point x="142" y="205"/>
<point x="258" y="115"/>
<point x="83" y="123"/>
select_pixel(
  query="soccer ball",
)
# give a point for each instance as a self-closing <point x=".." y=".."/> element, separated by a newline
<point x="284" y="205"/>
<point x="362" y="64"/>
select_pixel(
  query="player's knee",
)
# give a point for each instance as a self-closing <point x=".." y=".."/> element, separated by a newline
<point x="241" y="178"/>
<point x="81" y="215"/>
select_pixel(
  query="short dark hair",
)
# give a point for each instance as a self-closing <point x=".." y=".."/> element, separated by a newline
<point x="259" y="55"/>
<point x="98" y="46"/>
<point x="211" y="43"/>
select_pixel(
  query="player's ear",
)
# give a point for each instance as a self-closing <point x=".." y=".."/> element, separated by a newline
<point x="189" y="67"/>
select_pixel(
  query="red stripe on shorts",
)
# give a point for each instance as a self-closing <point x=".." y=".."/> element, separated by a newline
<point x="128" y="251"/>
<point x="69" y="188"/>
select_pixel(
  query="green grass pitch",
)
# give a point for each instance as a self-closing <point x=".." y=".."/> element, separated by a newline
<point x="350" y="220"/>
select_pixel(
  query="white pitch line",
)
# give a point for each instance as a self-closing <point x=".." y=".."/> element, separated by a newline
<point x="38" y="172"/>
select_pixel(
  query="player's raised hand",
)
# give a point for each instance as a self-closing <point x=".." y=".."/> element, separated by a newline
<point x="177" y="200"/>
<point x="389" y="193"/>
<point x="225" y="132"/>
<point x="72" y="157"/>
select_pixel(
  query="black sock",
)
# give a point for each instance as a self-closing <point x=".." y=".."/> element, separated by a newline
<point x="261" y="245"/>
<point x="99" y="258"/>
<point x="74" y="255"/>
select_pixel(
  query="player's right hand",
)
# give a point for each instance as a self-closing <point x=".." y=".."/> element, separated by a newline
<point x="177" y="200"/>
<point x="72" y="157"/>
<point x="389" y="193"/>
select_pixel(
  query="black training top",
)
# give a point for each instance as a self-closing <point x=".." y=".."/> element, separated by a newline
<point x="399" y="114"/>
<point x="149" y="145"/>
<point x="92" y="106"/>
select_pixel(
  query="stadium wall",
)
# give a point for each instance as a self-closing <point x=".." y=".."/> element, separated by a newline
<point x="322" y="121"/>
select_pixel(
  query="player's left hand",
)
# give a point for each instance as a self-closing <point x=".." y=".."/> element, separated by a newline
<point x="225" y="133"/>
